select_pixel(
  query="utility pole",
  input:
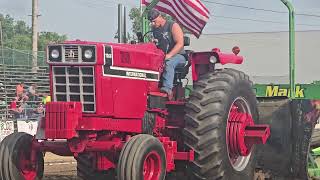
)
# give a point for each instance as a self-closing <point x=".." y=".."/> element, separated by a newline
<point x="3" y="86"/>
<point x="1" y="41"/>
<point x="34" y="35"/>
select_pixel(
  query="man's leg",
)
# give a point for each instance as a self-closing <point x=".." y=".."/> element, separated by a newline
<point x="168" y="74"/>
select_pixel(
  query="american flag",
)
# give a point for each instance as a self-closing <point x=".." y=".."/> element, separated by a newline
<point x="191" y="14"/>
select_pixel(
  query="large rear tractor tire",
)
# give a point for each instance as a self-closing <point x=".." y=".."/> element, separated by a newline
<point x="15" y="154"/>
<point x="207" y="129"/>
<point x="86" y="169"/>
<point x="142" y="158"/>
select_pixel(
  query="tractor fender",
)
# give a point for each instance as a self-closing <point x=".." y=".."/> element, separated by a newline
<point x="227" y="58"/>
<point x="222" y="58"/>
<point x="201" y="60"/>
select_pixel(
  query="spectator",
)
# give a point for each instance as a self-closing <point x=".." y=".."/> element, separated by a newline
<point x="1" y="86"/>
<point x="39" y="109"/>
<point x="20" y="89"/>
<point x="32" y="94"/>
<point x="46" y="98"/>
<point x="15" y="107"/>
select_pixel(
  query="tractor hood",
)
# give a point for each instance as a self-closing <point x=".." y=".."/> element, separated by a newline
<point x="144" y="56"/>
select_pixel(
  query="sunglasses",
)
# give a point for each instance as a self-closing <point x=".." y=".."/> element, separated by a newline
<point x="154" y="20"/>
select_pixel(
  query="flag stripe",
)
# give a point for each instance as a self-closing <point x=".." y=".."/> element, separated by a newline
<point x="197" y="7"/>
<point x="191" y="14"/>
<point x="186" y="14"/>
<point x="181" y="15"/>
<point x="202" y="5"/>
<point x="200" y="21"/>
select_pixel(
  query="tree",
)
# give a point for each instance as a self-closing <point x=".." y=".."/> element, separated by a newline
<point x="49" y="37"/>
<point x="7" y="27"/>
<point x="135" y="17"/>
<point x="17" y="35"/>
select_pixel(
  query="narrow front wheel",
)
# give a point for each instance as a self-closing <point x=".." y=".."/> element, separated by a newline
<point x="142" y="158"/>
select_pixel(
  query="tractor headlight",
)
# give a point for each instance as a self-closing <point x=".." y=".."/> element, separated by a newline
<point x="213" y="60"/>
<point x="55" y="54"/>
<point x="88" y="53"/>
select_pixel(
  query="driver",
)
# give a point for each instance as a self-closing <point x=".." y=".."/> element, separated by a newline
<point x="169" y="37"/>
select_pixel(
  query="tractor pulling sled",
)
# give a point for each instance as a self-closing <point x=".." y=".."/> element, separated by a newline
<point x="108" y="113"/>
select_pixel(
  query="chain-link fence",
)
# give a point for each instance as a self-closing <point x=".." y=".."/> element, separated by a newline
<point x="20" y="57"/>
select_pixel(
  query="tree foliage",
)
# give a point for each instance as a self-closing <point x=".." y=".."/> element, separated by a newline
<point x="49" y="38"/>
<point x="135" y="17"/>
<point x="18" y="35"/>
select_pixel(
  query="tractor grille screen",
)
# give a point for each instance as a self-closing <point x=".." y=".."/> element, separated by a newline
<point x="71" y="53"/>
<point x="75" y="84"/>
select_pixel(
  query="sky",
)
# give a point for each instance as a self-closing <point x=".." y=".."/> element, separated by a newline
<point x="96" y="20"/>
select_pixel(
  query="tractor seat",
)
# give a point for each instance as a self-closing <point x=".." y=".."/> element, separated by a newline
<point x="182" y="71"/>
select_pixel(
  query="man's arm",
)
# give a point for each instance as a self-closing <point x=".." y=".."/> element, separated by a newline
<point x="177" y="34"/>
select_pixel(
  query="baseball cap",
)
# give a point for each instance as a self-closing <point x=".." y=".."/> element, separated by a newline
<point x="152" y="14"/>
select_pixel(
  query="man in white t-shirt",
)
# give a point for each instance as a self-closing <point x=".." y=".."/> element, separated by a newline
<point x="32" y="92"/>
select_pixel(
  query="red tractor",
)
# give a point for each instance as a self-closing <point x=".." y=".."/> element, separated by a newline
<point x="108" y="113"/>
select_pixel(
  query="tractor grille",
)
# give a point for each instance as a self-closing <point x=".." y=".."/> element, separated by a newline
<point x="71" y="53"/>
<point x="75" y="84"/>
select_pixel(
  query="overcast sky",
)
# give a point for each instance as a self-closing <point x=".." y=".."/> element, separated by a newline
<point x="97" y="19"/>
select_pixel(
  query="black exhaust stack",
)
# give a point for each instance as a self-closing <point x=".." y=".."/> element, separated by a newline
<point x="122" y="24"/>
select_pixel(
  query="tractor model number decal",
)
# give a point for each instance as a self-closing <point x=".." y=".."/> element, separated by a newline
<point x="277" y="91"/>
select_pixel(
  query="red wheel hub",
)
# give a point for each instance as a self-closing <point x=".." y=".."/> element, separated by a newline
<point x="152" y="166"/>
<point x="242" y="133"/>
<point x="28" y="171"/>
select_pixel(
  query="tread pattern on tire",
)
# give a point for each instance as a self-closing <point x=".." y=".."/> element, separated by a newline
<point x="205" y="119"/>
<point x="9" y="154"/>
<point x="130" y="156"/>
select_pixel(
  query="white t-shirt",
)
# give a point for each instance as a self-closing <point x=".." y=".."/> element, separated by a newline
<point x="32" y="90"/>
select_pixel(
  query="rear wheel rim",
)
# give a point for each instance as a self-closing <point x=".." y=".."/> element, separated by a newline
<point x="27" y="171"/>
<point x="239" y="163"/>
<point x="152" y="166"/>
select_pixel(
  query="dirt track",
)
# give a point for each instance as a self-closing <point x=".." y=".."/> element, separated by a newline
<point x="59" y="168"/>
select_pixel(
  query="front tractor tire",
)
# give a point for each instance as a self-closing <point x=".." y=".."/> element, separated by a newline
<point x="208" y="130"/>
<point x="15" y="158"/>
<point x="142" y="158"/>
